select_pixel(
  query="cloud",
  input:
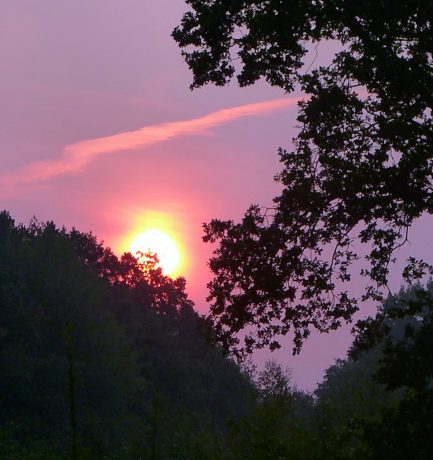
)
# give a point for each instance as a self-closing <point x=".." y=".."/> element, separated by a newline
<point x="75" y="157"/>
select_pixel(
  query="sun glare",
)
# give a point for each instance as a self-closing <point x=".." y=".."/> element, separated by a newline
<point x="159" y="243"/>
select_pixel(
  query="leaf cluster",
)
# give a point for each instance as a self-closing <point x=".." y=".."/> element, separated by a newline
<point x="359" y="173"/>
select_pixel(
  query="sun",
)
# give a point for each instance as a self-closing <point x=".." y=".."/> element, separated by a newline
<point x="157" y="242"/>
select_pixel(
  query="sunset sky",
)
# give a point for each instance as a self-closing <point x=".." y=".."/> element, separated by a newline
<point x="99" y="130"/>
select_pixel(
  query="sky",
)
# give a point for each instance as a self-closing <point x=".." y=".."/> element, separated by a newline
<point x="99" y="130"/>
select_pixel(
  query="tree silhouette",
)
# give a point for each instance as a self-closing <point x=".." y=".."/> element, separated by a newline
<point x="86" y="341"/>
<point x="360" y="171"/>
<point x="404" y="331"/>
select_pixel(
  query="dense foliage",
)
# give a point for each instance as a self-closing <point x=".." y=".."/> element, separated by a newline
<point x="143" y="372"/>
<point x="405" y="328"/>
<point x="360" y="171"/>
<point x="110" y="350"/>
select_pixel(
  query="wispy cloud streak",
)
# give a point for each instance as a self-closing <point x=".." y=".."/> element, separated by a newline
<point x="75" y="157"/>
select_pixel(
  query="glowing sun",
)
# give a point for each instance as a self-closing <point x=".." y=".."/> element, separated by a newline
<point x="159" y="243"/>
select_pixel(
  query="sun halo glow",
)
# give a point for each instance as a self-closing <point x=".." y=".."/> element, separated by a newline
<point x="158" y="242"/>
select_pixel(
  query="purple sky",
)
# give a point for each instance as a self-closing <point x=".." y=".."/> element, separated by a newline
<point x="99" y="130"/>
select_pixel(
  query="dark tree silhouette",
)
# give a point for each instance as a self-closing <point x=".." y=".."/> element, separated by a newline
<point x="86" y="341"/>
<point x="360" y="171"/>
<point x="404" y="331"/>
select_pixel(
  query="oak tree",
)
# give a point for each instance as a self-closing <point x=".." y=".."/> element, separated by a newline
<point x="359" y="172"/>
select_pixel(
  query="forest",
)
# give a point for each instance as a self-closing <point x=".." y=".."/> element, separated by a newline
<point x="105" y="357"/>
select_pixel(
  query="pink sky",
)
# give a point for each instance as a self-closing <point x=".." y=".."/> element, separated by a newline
<point x="98" y="130"/>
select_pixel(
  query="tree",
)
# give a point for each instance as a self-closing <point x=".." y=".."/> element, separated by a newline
<point x="360" y="171"/>
<point x="279" y="424"/>
<point x="43" y="288"/>
<point x="112" y="341"/>
<point x="274" y="382"/>
<point x="404" y="331"/>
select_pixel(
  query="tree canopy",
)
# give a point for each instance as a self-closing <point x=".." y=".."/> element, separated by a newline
<point x="147" y="383"/>
<point x="359" y="172"/>
<point x="403" y="330"/>
<point x="137" y="351"/>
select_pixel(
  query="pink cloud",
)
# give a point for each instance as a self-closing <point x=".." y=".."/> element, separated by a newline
<point x="75" y="157"/>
